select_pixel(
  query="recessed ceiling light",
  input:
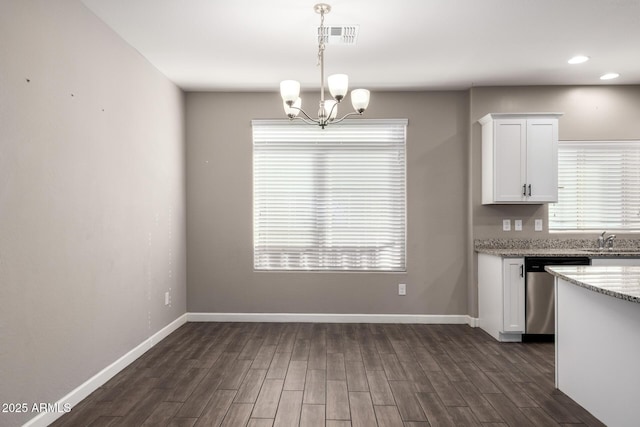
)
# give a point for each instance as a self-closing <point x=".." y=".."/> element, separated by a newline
<point x="578" y="59"/>
<point x="609" y="76"/>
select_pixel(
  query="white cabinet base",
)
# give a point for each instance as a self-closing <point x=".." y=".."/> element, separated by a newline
<point x="509" y="337"/>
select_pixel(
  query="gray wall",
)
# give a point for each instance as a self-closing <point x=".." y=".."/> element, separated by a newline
<point x="92" y="200"/>
<point x="444" y="209"/>
<point x="590" y="113"/>
<point x="219" y="212"/>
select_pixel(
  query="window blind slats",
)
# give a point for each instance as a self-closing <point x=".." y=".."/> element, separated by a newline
<point x="332" y="199"/>
<point x="599" y="186"/>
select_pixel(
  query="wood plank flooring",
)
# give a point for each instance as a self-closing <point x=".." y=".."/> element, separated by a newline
<point x="312" y="374"/>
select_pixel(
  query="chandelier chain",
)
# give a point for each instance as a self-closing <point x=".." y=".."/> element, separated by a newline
<point x="338" y="85"/>
<point x="321" y="38"/>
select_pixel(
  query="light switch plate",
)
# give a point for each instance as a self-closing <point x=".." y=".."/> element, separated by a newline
<point x="506" y="225"/>
<point x="518" y="224"/>
<point x="402" y="289"/>
<point x="538" y="225"/>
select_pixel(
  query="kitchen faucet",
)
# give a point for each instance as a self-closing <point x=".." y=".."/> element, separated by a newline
<point x="606" y="242"/>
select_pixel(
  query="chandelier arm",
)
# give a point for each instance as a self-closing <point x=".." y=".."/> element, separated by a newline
<point x="307" y="116"/>
<point x="335" y="105"/>
<point x="354" y="113"/>
<point x="309" y="122"/>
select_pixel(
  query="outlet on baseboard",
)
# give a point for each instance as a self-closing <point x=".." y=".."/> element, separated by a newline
<point x="402" y="289"/>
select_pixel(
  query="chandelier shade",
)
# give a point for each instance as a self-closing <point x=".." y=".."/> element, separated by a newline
<point x="289" y="90"/>
<point x="292" y="110"/>
<point x="338" y="87"/>
<point x="360" y="99"/>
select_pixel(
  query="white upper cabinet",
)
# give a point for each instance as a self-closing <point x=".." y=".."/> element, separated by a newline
<point x="520" y="158"/>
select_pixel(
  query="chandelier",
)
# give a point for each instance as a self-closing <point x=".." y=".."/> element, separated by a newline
<point x="338" y="87"/>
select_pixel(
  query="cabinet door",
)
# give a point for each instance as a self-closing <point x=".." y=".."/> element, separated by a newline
<point x="542" y="160"/>
<point x="510" y="159"/>
<point x="513" y="292"/>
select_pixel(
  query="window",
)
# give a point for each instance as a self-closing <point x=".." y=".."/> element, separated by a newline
<point x="331" y="199"/>
<point x="599" y="186"/>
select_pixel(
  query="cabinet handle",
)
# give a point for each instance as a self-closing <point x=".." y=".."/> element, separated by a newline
<point x="529" y="190"/>
<point x="521" y="270"/>
<point x="524" y="189"/>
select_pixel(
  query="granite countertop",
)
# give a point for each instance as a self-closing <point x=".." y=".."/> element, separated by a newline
<point x="615" y="281"/>
<point x="526" y="252"/>
<point x="559" y="252"/>
<point x="624" y="248"/>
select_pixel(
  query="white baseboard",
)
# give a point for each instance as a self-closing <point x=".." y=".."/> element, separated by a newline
<point x="457" y="319"/>
<point x="93" y="383"/>
<point x="474" y="322"/>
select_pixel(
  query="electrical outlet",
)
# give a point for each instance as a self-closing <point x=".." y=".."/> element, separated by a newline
<point x="517" y="224"/>
<point x="166" y="298"/>
<point x="538" y="225"/>
<point x="402" y="289"/>
<point x="506" y="225"/>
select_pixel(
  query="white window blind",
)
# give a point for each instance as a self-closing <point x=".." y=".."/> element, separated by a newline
<point x="331" y="199"/>
<point x="599" y="186"/>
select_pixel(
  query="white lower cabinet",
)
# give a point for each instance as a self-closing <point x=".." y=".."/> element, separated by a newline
<point x="501" y="297"/>
<point x="513" y="295"/>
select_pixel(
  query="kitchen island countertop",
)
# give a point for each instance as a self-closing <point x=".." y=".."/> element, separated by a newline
<point x="616" y="281"/>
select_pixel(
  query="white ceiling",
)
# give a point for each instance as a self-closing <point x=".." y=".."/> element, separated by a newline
<point x="403" y="44"/>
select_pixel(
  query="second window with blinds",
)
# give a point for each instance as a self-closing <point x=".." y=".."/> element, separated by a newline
<point x="329" y="199"/>
<point x="598" y="187"/>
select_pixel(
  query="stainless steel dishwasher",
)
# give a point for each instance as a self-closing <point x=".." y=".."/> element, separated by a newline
<point x="539" y="295"/>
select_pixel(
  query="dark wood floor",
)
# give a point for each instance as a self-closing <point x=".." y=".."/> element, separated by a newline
<point x="285" y="374"/>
